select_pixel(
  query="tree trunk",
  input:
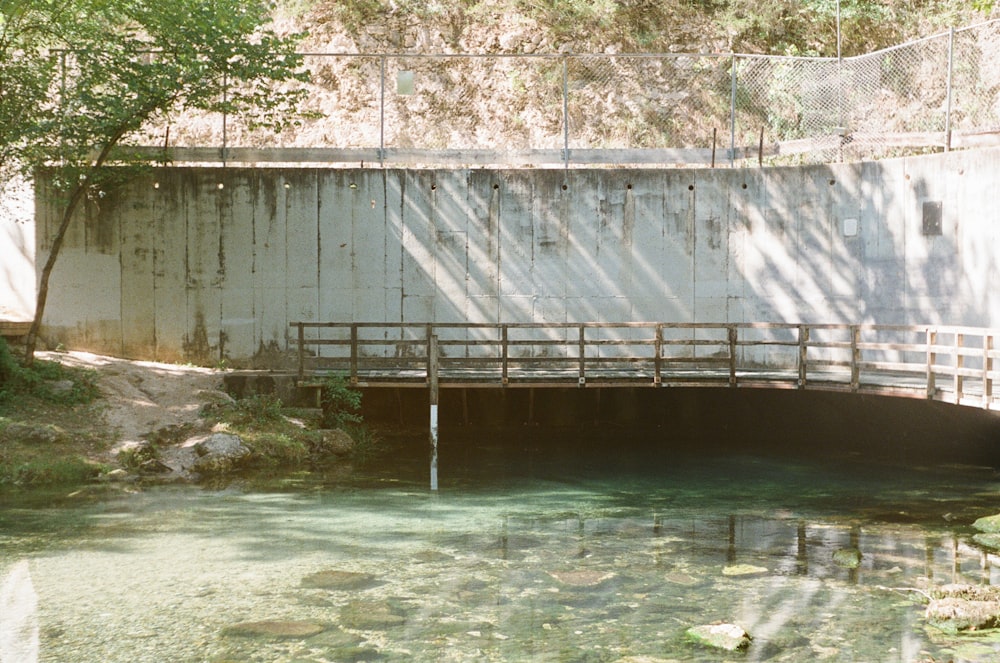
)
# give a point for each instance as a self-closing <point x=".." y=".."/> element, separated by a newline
<point x="74" y="201"/>
<point x="43" y="285"/>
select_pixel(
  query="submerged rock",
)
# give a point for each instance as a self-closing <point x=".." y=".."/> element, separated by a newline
<point x="951" y="614"/>
<point x="372" y="615"/>
<point x="335" y="579"/>
<point x="957" y="608"/>
<point x="743" y="570"/>
<point x="848" y="558"/>
<point x="274" y="629"/>
<point x="683" y="579"/>
<point x="432" y="556"/>
<point x="989" y="528"/>
<point x="728" y="637"/>
<point x="582" y="577"/>
<point x="988" y="540"/>
<point x="988" y="524"/>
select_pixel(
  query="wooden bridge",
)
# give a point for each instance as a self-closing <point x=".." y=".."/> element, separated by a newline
<point x="943" y="363"/>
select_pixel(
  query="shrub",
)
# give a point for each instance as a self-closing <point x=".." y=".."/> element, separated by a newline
<point x="254" y="411"/>
<point x="40" y="378"/>
<point x="341" y="404"/>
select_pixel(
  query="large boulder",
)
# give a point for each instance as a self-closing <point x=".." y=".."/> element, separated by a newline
<point x="219" y="452"/>
<point x="337" y="442"/>
<point x="31" y="433"/>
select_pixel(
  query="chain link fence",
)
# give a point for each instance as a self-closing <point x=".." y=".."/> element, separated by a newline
<point x="937" y="93"/>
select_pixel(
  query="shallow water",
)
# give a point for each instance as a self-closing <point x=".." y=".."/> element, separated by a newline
<point x="569" y="555"/>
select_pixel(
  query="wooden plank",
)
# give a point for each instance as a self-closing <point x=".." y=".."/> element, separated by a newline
<point x="14" y="329"/>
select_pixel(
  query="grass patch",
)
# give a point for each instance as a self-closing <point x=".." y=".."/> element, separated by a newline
<point x="280" y="436"/>
<point x="48" y="381"/>
<point x="47" y="413"/>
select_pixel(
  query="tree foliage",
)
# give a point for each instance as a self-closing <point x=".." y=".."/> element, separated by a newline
<point x="77" y="77"/>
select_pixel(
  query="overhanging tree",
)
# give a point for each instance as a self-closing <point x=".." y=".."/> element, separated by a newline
<point x="112" y="67"/>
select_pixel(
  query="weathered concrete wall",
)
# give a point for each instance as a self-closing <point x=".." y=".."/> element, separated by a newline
<point x="206" y="264"/>
<point x="17" y="252"/>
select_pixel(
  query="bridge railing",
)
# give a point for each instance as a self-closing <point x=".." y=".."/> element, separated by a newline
<point x="953" y="364"/>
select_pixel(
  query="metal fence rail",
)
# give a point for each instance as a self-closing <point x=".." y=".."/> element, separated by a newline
<point x="937" y="93"/>
<point x="951" y="364"/>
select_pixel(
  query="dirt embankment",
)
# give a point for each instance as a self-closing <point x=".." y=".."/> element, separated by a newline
<point x="141" y="397"/>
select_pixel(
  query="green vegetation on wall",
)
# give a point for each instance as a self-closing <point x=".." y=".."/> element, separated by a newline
<point x="802" y="27"/>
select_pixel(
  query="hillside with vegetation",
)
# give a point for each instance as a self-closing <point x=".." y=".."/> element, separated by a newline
<point x="784" y="27"/>
<point x="517" y="104"/>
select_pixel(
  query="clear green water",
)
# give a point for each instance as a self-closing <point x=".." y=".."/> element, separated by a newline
<point x="575" y="555"/>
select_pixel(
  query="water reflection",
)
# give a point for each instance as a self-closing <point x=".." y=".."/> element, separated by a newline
<point x="580" y="564"/>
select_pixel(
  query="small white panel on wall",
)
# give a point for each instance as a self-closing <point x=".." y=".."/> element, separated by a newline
<point x="850" y="227"/>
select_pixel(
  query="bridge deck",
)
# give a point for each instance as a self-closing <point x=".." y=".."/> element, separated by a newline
<point x="949" y="364"/>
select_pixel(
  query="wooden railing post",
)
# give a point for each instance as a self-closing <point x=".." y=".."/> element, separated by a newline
<point x="931" y="361"/>
<point x="987" y="370"/>
<point x="855" y="358"/>
<point x="354" y="354"/>
<point x="959" y="363"/>
<point x="582" y="378"/>
<point x="803" y="352"/>
<point x="733" y="337"/>
<point x="504" y="354"/>
<point x="302" y="350"/>
<point x="658" y="358"/>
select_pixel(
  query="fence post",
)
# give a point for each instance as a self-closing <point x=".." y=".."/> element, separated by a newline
<point x="582" y="378"/>
<point x="565" y="101"/>
<point x="951" y="68"/>
<point x="732" y="112"/>
<point x="381" y="119"/>
<point x="225" y="117"/>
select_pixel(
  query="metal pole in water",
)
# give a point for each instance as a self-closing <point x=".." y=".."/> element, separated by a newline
<point x="432" y="380"/>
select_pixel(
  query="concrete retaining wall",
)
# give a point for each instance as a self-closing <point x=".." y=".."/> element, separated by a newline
<point x="17" y="251"/>
<point x="209" y="264"/>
